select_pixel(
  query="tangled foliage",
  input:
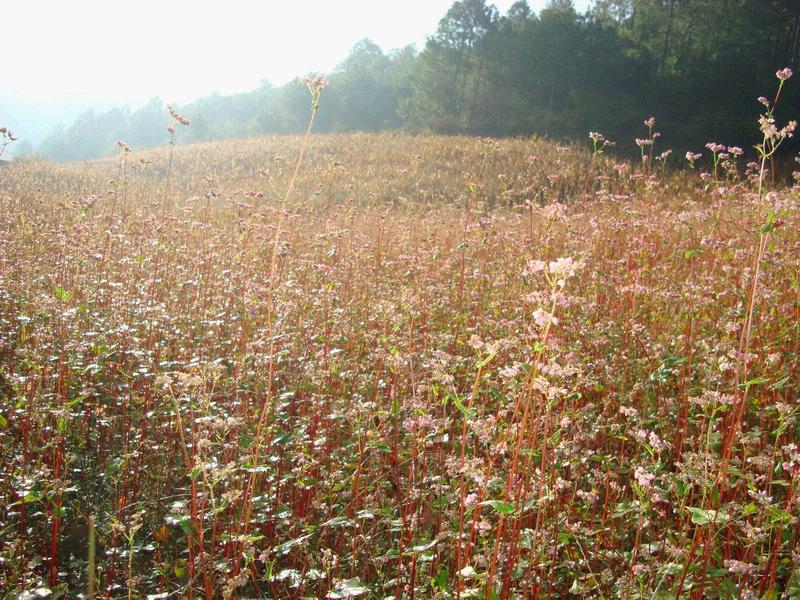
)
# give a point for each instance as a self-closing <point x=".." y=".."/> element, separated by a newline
<point x="474" y="369"/>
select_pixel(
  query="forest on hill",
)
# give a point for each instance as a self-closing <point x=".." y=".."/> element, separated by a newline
<point x="697" y="66"/>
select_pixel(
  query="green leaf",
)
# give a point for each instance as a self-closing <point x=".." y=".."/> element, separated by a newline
<point x="504" y="508"/>
<point x="284" y="548"/>
<point x="180" y="569"/>
<point x="31" y="496"/>
<point x="420" y="548"/>
<point x="76" y="401"/>
<point x="3" y="422"/>
<point x="701" y="516"/>
<point x="469" y="413"/>
<point x="770" y="224"/>
<point x="58" y="511"/>
<point x="489" y="358"/>
<point x="338" y="522"/>
<point x="283" y="439"/>
<point x="749" y="509"/>
<point x="793" y="587"/>
<point x="780" y="384"/>
<point x="62" y="294"/>
<point x="440" y="581"/>
<point x="754" y="381"/>
<point x="186" y="525"/>
<point x="772" y="594"/>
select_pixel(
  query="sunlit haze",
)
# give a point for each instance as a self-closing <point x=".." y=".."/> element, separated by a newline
<point x="63" y="57"/>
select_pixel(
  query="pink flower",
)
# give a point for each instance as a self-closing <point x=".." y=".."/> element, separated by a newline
<point x="736" y="566"/>
<point x="534" y="266"/>
<point x="643" y="478"/>
<point x="543" y="318"/>
<point x="784" y="74"/>
<point x="554" y="210"/>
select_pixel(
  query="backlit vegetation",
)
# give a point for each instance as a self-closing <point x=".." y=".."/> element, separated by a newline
<point x="405" y="366"/>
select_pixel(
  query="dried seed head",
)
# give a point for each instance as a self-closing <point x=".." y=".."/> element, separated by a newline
<point x="8" y="134"/>
<point x="178" y="117"/>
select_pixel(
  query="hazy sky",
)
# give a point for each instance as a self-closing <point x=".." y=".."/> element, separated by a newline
<point x="61" y="56"/>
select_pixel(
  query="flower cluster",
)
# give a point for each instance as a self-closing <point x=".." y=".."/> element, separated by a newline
<point x="314" y="83"/>
<point x="771" y="131"/>
<point x="599" y="142"/>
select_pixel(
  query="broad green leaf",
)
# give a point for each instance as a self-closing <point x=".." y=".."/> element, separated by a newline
<point x="186" y="525"/>
<point x="749" y="509"/>
<point x="284" y="548"/>
<point x="701" y="516"/>
<point x="338" y="522"/>
<point x="440" y="581"/>
<point x="504" y="508"/>
<point x="420" y="548"/>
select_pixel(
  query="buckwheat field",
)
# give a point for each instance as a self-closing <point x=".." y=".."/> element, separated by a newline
<point x="400" y="366"/>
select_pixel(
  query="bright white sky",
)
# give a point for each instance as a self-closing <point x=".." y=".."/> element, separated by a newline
<point x="98" y="53"/>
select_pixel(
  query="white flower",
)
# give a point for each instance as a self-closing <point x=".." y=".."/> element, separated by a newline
<point x="563" y="268"/>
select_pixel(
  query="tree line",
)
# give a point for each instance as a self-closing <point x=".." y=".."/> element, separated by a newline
<point x="697" y="66"/>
